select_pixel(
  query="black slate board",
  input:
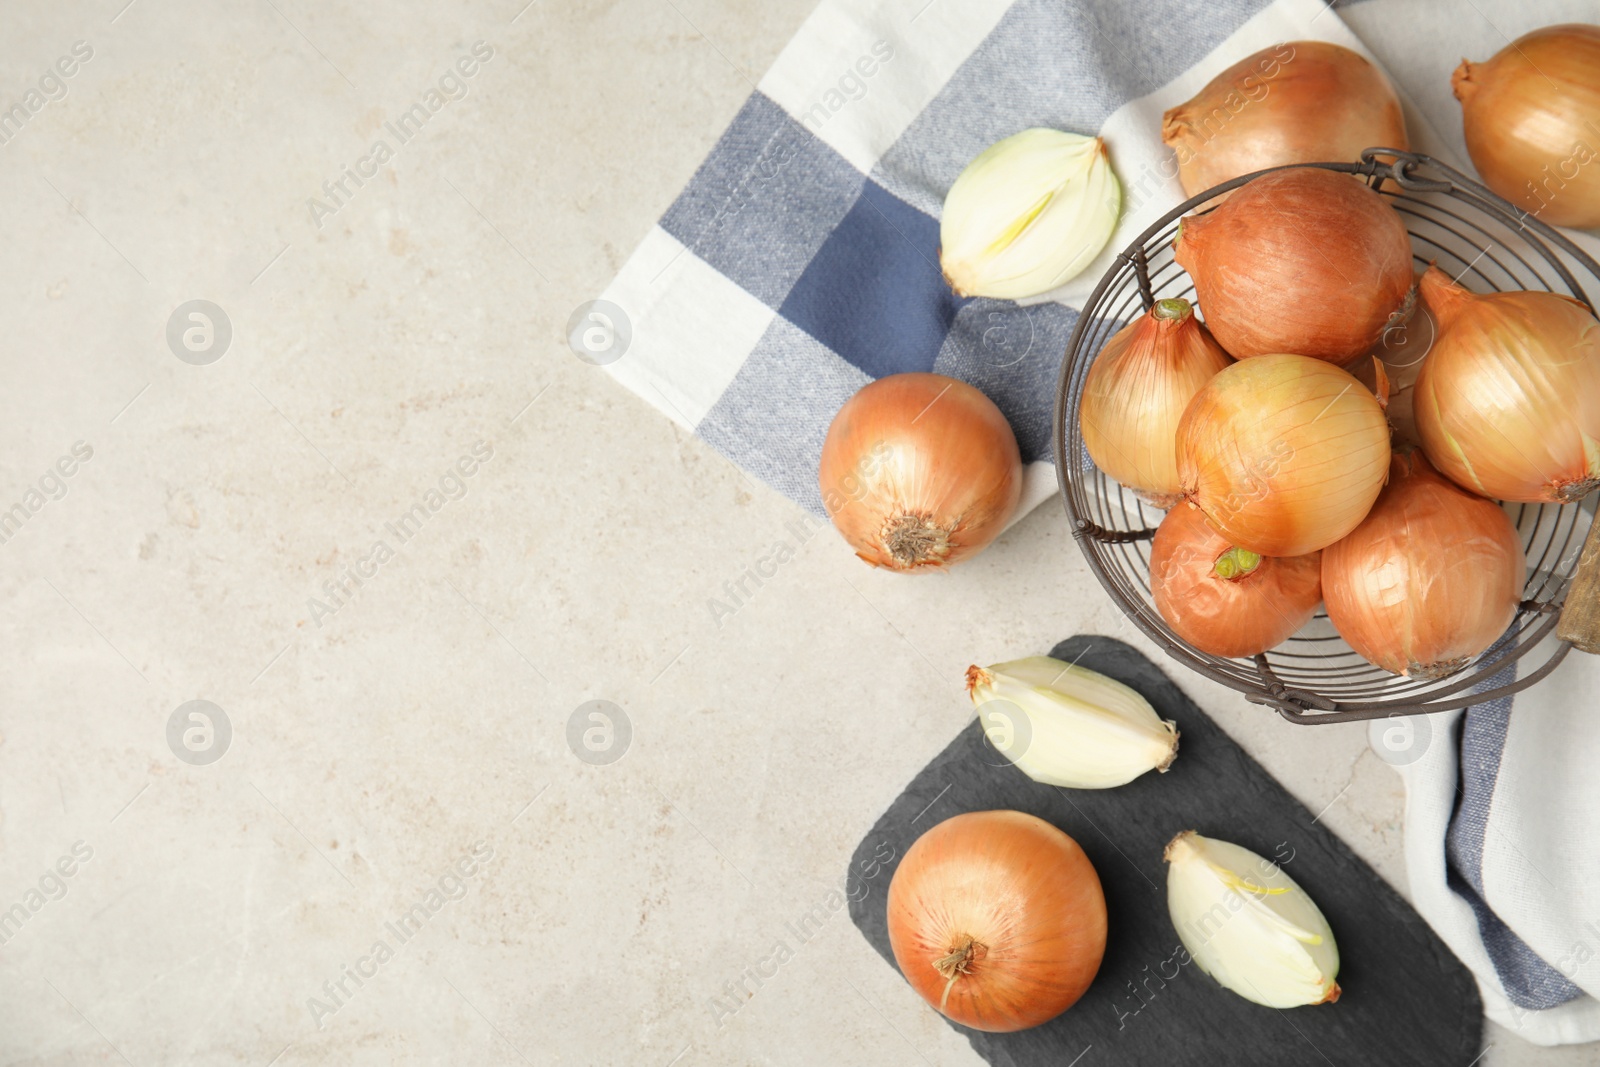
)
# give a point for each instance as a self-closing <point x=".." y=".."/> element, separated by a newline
<point x="1407" y="999"/>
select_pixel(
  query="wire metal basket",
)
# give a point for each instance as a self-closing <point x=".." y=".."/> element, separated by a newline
<point x="1315" y="677"/>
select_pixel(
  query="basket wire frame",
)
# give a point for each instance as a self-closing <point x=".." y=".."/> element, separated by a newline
<point x="1315" y="677"/>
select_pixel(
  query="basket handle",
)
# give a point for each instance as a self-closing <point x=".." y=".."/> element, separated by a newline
<point x="1580" y="615"/>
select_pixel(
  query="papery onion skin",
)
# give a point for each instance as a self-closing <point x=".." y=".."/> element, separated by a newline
<point x="1226" y="617"/>
<point x="1284" y="454"/>
<point x="1508" y="401"/>
<point x="1531" y="116"/>
<point x="919" y="471"/>
<point x="1301" y="260"/>
<point x="1403" y="349"/>
<point x="1430" y="578"/>
<point x="1300" y="102"/>
<point x="1136" y="392"/>
<point x="1015" y="896"/>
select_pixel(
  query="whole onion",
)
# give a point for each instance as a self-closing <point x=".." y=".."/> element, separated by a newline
<point x="1301" y="102"/>
<point x="1136" y="392"/>
<point x="1301" y="260"/>
<point x="997" y="919"/>
<point x="919" y="471"/>
<point x="1430" y="578"/>
<point x="1508" y="401"/>
<point x="1531" y="116"/>
<point x="1224" y="600"/>
<point x="1284" y="454"/>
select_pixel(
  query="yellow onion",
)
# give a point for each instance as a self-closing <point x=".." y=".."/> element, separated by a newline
<point x="1508" y="402"/>
<point x="1531" y="116"/>
<point x="1301" y="102"/>
<point x="1284" y="454"/>
<point x="997" y="919"/>
<point x="1301" y="260"/>
<point x="1226" y="600"/>
<point x="919" y="471"/>
<point x="1136" y="392"/>
<point x="1430" y="578"/>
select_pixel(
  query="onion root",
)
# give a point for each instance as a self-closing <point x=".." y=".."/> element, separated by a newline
<point x="958" y="962"/>
<point x="914" y="539"/>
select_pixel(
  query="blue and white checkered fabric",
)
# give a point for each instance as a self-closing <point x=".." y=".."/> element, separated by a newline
<point x="801" y="263"/>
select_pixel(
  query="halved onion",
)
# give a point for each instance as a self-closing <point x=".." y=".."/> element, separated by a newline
<point x="1430" y="578"/>
<point x="1508" y="402"/>
<point x="1301" y="260"/>
<point x="1225" y="600"/>
<point x="1284" y="454"/>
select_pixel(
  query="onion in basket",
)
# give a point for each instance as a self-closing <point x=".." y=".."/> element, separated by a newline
<point x="1508" y="401"/>
<point x="1284" y="454"/>
<point x="1136" y="392"/>
<point x="1225" y="600"/>
<point x="1301" y="260"/>
<point x="1430" y="578"/>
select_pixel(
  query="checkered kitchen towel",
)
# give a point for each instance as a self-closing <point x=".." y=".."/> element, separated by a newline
<point x="801" y="263"/>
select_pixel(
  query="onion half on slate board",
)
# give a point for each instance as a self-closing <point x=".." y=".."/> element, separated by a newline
<point x="1406" y="998"/>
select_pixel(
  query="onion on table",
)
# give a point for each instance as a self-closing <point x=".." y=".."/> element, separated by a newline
<point x="1136" y="392"/>
<point x="1431" y="577"/>
<point x="1300" y="102"/>
<point x="997" y="919"/>
<point x="1301" y="260"/>
<point x="1284" y="454"/>
<point x="1224" y="600"/>
<point x="919" y="471"/>
<point x="1531" y="116"/>
<point x="1508" y="401"/>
